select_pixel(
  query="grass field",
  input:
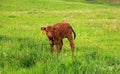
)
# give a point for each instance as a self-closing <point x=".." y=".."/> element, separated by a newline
<point x="24" y="50"/>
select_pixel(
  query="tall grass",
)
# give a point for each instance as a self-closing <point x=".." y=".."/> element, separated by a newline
<point x="23" y="49"/>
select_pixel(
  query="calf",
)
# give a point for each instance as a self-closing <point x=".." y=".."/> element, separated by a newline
<point x="57" y="32"/>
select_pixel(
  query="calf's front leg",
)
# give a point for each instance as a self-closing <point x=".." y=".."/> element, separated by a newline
<point x="59" y="45"/>
<point x="51" y="46"/>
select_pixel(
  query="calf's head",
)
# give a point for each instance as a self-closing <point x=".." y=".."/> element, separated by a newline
<point x="49" y="31"/>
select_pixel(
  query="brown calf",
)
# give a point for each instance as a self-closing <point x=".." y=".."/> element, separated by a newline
<point x="57" y="32"/>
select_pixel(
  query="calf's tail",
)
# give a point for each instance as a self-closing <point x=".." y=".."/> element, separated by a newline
<point x="74" y="33"/>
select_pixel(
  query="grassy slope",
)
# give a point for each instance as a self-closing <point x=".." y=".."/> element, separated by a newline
<point x="25" y="50"/>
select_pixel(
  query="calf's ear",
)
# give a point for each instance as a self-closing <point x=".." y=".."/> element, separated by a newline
<point x="43" y="30"/>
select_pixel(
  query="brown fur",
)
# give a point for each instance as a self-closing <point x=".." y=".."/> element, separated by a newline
<point x="57" y="32"/>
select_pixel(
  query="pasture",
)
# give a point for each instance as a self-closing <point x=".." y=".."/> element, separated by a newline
<point x="24" y="50"/>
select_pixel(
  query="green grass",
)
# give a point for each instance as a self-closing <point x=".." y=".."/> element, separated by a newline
<point x="23" y="49"/>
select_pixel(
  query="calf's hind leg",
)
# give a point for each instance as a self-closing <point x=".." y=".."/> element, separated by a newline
<point x="70" y="38"/>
